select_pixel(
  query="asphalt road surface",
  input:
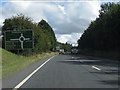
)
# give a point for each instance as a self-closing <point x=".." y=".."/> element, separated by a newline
<point x="67" y="71"/>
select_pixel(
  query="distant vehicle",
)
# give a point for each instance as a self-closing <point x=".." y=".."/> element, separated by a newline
<point x="61" y="51"/>
<point x="74" y="50"/>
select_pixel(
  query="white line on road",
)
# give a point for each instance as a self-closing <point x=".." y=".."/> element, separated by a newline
<point x="96" y="68"/>
<point x="29" y="76"/>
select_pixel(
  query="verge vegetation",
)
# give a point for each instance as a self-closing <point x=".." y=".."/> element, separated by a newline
<point x="12" y="63"/>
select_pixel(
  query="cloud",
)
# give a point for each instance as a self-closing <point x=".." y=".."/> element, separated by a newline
<point x="70" y="38"/>
<point x="21" y="4"/>
<point x="62" y="9"/>
<point x="77" y="18"/>
<point x="68" y="19"/>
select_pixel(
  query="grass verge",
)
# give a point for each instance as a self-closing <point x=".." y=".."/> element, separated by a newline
<point x="12" y="63"/>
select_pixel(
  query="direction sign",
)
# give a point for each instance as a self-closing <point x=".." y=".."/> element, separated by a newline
<point x="18" y="40"/>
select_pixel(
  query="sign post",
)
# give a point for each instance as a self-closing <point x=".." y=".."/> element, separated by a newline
<point x="19" y="40"/>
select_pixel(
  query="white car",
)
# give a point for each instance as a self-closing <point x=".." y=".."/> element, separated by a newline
<point x="61" y="51"/>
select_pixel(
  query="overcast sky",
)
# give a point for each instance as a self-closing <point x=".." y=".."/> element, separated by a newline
<point x="68" y="18"/>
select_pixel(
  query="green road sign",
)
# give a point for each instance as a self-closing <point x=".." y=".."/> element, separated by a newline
<point x="19" y="40"/>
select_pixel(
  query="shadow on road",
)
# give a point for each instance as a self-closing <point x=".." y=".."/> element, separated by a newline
<point x="103" y="72"/>
<point x="84" y="61"/>
<point x="111" y="82"/>
<point x="109" y="72"/>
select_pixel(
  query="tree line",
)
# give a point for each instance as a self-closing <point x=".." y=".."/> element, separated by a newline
<point x="44" y="36"/>
<point x="66" y="46"/>
<point x="103" y="34"/>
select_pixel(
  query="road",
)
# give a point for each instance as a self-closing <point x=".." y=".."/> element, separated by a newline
<point x="69" y="71"/>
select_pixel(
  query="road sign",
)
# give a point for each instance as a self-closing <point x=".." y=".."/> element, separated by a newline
<point x="18" y="40"/>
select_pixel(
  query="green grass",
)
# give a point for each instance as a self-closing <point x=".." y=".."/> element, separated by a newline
<point x="12" y="63"/>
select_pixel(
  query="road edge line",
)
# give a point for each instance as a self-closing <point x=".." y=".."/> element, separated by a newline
<point x="30" y="75"/>
<point x="96" y="68"/>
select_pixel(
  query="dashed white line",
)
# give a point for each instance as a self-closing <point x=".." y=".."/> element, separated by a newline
<point x="96" y="68"/>
<point x="29" y="76"/>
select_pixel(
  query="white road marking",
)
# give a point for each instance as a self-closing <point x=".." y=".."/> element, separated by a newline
<point x="72" y="57"/>
<point x="96" y="68"/>
<point x="29" y="76"/>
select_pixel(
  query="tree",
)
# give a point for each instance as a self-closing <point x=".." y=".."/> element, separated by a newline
<point x="66" y="46"/>
<point x="17" y="22"/>
<point x="49" y="34"/>
<point x="44" y="37"/>
<point x="103" y="33"/>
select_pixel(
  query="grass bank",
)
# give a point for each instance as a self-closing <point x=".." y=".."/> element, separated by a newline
<point x="12" y="63"/>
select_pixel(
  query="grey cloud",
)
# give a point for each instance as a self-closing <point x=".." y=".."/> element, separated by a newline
<point x="74" y="25"/>
<point x="77" y="18"/>
<point x="68" y="28"/>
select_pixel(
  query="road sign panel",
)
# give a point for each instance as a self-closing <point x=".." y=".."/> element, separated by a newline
<point x="16" y="40"/>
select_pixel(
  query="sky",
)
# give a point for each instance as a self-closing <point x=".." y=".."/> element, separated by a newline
<point x="68" y="18"/>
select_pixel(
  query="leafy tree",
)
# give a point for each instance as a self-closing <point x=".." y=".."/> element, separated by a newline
<point x="49" y="34"/>
<point x="66" y="46"/>
<point x="103" y="33"/>
<point x="17" y="22"/>
<point x="44" y="37"/>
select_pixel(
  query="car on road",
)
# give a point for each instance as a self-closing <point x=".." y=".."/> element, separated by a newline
<point x="74" y="50"/>
<point x="61" y="51"/>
